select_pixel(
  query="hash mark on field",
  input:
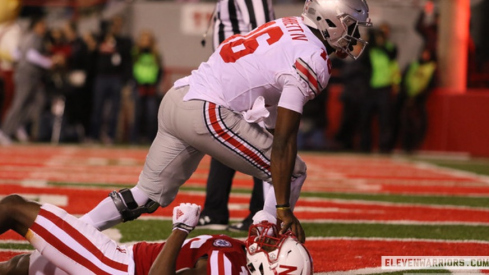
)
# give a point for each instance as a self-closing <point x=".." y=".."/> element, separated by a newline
<point x="34" y="183"/>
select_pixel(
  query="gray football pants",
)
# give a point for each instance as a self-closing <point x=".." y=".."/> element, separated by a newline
<point x="187" y="130"/>
<point x="27" y="103"/>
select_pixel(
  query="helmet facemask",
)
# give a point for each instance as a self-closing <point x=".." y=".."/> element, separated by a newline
<point x="350" y="42"/>
<point x="267" y="251"/>
<point x="262" y="247"/>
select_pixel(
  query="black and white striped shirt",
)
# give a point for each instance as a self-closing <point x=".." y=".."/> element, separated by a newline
<point x="239" y="17"/>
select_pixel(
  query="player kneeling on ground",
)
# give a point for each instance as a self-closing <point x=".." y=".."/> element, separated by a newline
<point x="75" y="247"/>
<point x="261" y="79"/>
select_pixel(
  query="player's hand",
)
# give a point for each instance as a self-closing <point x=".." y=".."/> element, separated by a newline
<point x="289" y="221"/>
<point x="186" y="216"/>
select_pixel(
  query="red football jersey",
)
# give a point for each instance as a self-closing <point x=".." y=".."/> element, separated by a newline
<point x="225" y="255"/>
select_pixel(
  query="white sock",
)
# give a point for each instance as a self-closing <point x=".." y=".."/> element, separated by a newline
<point x="105" y="214"/>
<point x="139" y="196"/>
<point x="270" y="201"/>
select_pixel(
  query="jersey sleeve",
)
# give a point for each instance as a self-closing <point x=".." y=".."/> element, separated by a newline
<point x="310" y="77"/>
<point x="314" y="71"/>
<point x="293" y="93"/>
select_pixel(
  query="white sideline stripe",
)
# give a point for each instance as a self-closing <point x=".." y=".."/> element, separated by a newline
<point x="395" y="240"/>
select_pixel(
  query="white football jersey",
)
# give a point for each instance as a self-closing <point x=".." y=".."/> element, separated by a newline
<point x="281" y="62"/>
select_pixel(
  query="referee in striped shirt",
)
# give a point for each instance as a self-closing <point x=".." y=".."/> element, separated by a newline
<point x="232" y="17"/>
<point x="239" y="17"/>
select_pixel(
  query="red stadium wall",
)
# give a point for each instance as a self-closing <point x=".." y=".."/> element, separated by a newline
<point x="459" y="122"/>
<point x="456" y="122"/>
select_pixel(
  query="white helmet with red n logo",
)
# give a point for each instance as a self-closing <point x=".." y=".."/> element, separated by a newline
<point x="268" y="254"/>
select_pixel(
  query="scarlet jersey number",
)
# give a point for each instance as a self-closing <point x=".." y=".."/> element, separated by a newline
<point x="247" y="44"/>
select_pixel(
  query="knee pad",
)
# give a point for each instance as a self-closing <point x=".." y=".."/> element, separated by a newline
<point x="127" y="206"/>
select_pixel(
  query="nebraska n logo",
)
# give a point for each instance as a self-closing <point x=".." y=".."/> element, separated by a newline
<point x="288" y="269"/>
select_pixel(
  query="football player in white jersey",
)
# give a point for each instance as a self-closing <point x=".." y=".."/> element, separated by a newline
<point x="264" y="77"/>
<point x="232" y="17"/>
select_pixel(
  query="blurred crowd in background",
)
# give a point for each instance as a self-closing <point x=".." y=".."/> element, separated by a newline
<point x="82" y="88"/>
<point x="105" y="87"/>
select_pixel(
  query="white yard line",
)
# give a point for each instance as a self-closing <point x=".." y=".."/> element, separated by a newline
<point x="14" y="242"/>
<point x="383" y="203"/>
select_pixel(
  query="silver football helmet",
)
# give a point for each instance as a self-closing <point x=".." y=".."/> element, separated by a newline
<point x="338" y="22"/>
<point x="268" y="253"/>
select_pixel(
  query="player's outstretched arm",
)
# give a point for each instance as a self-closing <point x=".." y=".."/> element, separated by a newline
<point x="284" y="153"/>
<point x="185" y="218"/>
